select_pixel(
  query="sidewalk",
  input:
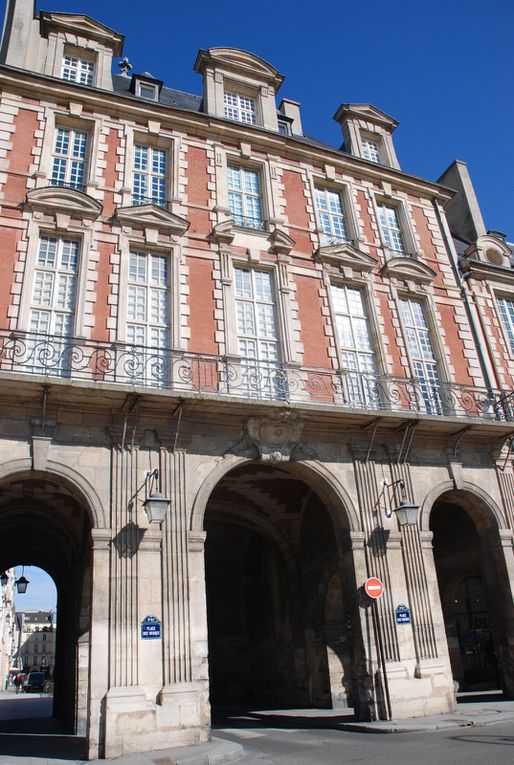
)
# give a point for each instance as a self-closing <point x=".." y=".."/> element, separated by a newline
<point x="218" y="751"/>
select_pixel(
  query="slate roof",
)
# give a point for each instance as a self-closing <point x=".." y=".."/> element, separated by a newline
<point x="168" y="96"/>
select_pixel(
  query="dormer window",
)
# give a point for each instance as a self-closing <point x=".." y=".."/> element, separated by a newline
<point x="370" y="150"/>
<point x="76" y="69"/>
<point x="240" y="108"/>
<point x="146" y="86"/>
<point x="147" y="91"/>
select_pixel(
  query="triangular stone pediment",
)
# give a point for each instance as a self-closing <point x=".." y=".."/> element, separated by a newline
<point x="83" y="25"/>
<point x="410" y="269"/>
<point x="345" y="254"/>
<point x="281" y="242"/>
<point x="152" y="216"/>
<point x="368" y="113"/>
<point x="68" y="201"/>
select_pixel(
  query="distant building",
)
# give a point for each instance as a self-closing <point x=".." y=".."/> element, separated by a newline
<point x="7" y="626"/>
<point x="293" y="343"/>
<point x="36" y="641"/>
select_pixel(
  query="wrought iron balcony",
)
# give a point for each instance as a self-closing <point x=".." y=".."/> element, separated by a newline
<point x="137" y="199"/>
<point x="67" y="184"/>
<point x="195" y="373"/>
<point x="244" y="221"/>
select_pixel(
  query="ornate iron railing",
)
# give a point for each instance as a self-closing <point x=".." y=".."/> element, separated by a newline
<point x="137" y="199"/>
<point x="180" y="371"/>
<point x="244" y="221"/>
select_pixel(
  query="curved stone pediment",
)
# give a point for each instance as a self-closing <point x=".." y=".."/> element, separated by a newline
<point x="223" y="232"/>
<point x="345" y="254"/>
<point x="409" y="268"/>
<point x="281" y="242"/>
<point x="237" y="60"/>
<point x="152" y="216"/>
<point x="52" y="199"/>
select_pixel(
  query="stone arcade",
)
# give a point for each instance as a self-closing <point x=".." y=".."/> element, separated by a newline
<point x="283" y="330"/>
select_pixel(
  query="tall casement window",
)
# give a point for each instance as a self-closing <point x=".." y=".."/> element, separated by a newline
<point x="53" y="295"/>
<point x="506" y="306"/>
<point x="148" y="321"/>
<point x="52" y="307"/>
<point x="244" y="196"/>
<point x="370" y="150"/>
<point x="150" y="178"/>
<point x="77" y="69"/>
<point x="355" y="345"/>
<point x="391" y="229"/>
<point x="69" y="158"/>
<point x="424" y="364"/>
<point x="331" y="216"/>
<point x="240" y="108"/>
<point x="257" y="332"/>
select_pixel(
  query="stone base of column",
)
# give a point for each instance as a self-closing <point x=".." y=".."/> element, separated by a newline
<point x="136" y="723"/>
<point x="420" y="690"/>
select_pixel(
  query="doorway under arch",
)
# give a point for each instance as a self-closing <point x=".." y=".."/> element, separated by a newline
<point x="280" y="593"/>
<point x="45" y="523"/>
<point x="473" y="585"/>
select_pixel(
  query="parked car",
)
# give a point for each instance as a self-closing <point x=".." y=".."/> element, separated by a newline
<point x="35" y="682"/>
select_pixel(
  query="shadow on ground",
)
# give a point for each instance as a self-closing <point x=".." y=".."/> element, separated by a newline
<point x="251" y="717"/>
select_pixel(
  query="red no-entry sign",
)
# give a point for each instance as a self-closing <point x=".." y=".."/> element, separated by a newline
<point x="373" y="587"/>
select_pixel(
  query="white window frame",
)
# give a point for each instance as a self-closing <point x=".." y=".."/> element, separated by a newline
<point x="332" y="238"/>
<point x="345" y="190"/>
<point x="150" y="174"/>
<point x="82" y="329"/>
<point x="371" y="148"/>
<point x="140" y="85"/>
<point x="239" y="109"/>
<point x="69" y="159"/>
<point x="57" y="273"/>
<point x="431" y="403"/>
<point x="506" y="322"/>
<point x="169" y="144"/>
<point x="406" y="226"/>
<point x="83" y="63"/>
<point x="173" y="253"/>
<point x="67" y="121"/>
<point x="245" y="196"/>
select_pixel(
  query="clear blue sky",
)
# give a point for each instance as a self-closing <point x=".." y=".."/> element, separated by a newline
<point x="443" y="69"/>
<point x="41" y="593"/>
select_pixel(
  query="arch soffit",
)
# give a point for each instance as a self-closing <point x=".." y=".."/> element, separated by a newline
<point x="467" y="487"/>
<point x="328" y="487"/>
<point x="81" y="487"/>
<point x="253" y="522"/>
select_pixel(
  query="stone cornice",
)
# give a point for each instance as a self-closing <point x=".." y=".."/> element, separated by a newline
<point x="290" y="147"/>
<point x="239" y="62"/>
<point x="477" y="269"/>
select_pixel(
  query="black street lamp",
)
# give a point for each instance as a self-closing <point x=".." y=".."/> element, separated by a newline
<point x="4" y="579"/>
<point x="406" y="512"/>
<point x="22" y="583"/>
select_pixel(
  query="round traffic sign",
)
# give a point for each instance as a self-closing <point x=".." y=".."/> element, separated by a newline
<point x="373" y="587"/>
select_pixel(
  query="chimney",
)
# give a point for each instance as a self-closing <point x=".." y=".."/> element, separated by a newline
<point x="19" y="15"/>
<point x="291" y="109"/>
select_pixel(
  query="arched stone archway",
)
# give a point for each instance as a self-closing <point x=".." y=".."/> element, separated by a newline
<point x="281" y="595"/>
<point x="46" y="521"/>
<point x="470" y="551"/>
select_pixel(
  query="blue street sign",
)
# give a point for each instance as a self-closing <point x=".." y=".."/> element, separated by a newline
<point x="150" y="628"/>
<point x="402" y="615"/>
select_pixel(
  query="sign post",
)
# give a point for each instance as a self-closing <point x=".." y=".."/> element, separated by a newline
<point x="374" y="589"/>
